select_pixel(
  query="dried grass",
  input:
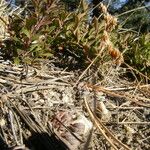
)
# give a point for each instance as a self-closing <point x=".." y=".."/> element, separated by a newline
<point x="30" y="105"/>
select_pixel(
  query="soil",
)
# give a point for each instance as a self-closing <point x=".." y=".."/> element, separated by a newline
<point x="47" y="106"/>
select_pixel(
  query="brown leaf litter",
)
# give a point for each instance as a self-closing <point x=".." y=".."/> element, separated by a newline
<point x="51" y="108"/>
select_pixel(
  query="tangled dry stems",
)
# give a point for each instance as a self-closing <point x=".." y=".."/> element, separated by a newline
<point x="48" y="93"/>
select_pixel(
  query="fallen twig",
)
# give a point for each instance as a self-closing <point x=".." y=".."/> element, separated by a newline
<point x="106" y="133"/>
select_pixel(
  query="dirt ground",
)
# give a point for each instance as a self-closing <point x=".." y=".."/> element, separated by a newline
<point x="52" y="107"/>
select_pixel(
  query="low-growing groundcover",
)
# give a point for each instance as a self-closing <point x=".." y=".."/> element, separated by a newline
<point x="66" y="84"/>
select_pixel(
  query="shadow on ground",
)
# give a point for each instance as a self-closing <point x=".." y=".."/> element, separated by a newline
<point x="38" y="141"/>
<point x="3" y="145"/>
<point x="42" y="141"/>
